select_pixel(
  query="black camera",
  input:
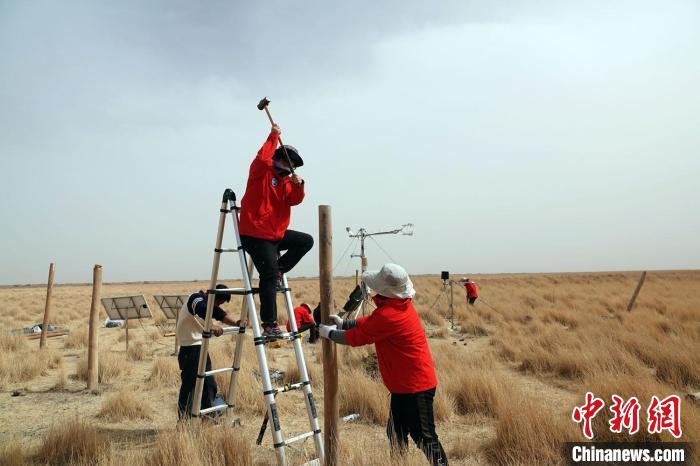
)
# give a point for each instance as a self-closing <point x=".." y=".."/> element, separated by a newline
<point x="445" y="275"/>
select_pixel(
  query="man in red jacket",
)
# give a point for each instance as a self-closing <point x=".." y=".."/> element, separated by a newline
<point x="472" y="291"/>
<point x="403" y="355"/>
<point x="265" y="216"/>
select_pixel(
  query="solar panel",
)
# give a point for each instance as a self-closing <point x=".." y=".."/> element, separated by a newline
<point x="170" y="304"/>
<point x="126" y="307"/>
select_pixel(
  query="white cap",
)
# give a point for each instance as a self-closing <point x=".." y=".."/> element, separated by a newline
<point x="391" y="281"/>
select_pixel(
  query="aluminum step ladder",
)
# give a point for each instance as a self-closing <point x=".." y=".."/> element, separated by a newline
<point x="228" y="206"/>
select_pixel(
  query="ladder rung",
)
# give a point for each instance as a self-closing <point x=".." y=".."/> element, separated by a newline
<point x="269" y="339"/>
<point x="218" y="371"/>
<point x="234" y="291"/>
<point x="213" y="409"/>
<point x="299" y="437"/>
<point x="227" y="250"/>
<point x="228" y="330"/>
<point x="287" y="388"/>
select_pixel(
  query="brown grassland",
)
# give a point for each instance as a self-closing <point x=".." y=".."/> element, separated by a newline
<point x="509" y="373"/>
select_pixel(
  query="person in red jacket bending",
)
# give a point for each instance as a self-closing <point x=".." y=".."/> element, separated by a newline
<point x="305" y="321"/>
<point x="472" y="291"/>
<point x="265" y="215"/>
<point x="403" y="355"/>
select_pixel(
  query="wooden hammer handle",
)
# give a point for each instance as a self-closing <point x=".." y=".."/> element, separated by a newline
<point x="284" y="149"/>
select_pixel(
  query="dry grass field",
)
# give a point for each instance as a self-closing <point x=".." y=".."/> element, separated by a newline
<point x="509" y="374"/>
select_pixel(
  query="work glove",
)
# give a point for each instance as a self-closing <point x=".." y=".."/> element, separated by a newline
<point x="325" y="330"/>
<point x="337" y="320"/>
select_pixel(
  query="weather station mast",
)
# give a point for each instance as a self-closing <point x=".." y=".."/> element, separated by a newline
<point x="405" y="229"/>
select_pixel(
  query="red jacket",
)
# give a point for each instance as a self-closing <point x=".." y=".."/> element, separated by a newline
<point x="266" y="205"/>
<point x="471" y="290"/>
<point x="302" y="314"/>
<point x="402" y="349"/>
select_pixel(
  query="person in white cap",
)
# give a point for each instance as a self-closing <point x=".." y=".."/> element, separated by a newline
<point x="404" y="358"/>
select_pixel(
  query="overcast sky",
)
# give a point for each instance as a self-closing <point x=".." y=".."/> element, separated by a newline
<point x="518" y="136"/>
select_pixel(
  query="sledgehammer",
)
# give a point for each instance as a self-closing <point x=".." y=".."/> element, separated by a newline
<point x="262" y="105"/>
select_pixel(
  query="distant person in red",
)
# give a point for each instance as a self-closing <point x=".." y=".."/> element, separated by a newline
<point x="305" y="321"/>
<point x="271" y="192"/>
<point x="404" y="358"/>
<point x="472" y="291"/>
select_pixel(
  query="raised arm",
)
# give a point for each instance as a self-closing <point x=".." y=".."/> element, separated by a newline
<point x="268" y="148"/>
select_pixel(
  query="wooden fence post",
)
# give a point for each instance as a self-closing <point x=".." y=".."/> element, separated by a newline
<point x="636" y="292"/>
<point x="47" y="307"/>
<point x="93" y="347"/>
<point x="330" y="357"/>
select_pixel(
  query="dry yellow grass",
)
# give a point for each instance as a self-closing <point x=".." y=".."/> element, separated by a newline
<point x="137" y="351"/>
<point x="164" y="373"/>
<point x="24" y="364"/>
<point x="111" y="366"/>
<point x="71" y="442"/>
<point x="78" y="338"/>
<point x="509" y="374"/>
<point x="124" y="405"/>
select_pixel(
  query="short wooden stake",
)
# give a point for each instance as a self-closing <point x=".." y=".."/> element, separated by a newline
<point x="636" y="292"/>
<point x="93" y="360"/>
<point x="330" y="357"/>
<point x="47" y="307"/>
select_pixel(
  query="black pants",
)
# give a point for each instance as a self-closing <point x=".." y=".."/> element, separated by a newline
<point x="188" y="359"/>
<point x="412" y="414"/>
<point x="265" y="255"/>
<point x="471" y="300"/>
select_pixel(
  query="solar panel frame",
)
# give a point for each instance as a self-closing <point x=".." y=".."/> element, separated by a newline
<point x="126" y="307"/>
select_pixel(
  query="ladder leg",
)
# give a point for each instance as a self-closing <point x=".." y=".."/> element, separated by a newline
<point x="240" y="341"/>
<point x="268" y="391"/>
<point x="206" y="334"/>
<point x="304" y="375"/>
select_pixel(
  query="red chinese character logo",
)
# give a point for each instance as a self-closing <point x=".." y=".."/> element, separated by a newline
<point x="665" y="415"/>
<point x="625" y="415"/>
<point x="587" y="412"/>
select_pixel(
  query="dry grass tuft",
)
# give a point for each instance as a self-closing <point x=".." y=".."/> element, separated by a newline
<point x="71" y="442"/>
<point x="165" y="373"/>
<point x="363" y="395"/>
<point x="10" y="343"/>
<point x="375" y="452"/>
<point x="198" y="445"/>
<point x="124" y="405"/>
<point x="527" y="432"/>
<point x="137" y="351"/>
<point x="76" y="339"/>
<point x="111" y="366"/>
<point x="28" y="364"/>
<point x="12" y="454"/>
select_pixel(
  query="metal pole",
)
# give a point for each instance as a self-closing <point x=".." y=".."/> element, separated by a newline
<point x="93" y="360"/>
<point x="47" y="308"/>
<point x="363" y="266"/>
<point x="330" y="357"/>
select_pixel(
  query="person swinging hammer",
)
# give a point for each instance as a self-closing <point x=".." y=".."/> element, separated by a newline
<point x="265" y="213"/>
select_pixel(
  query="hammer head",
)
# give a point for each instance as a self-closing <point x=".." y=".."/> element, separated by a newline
<point x="263" y="103"/>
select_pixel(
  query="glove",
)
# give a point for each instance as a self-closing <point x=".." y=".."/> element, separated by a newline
<point x="337" y="320"/>
<point x="325" y="330"/>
